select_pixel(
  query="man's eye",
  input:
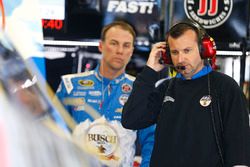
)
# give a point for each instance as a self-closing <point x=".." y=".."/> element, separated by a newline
<point x="186" y="51"/>
<point x="112" y="43"/>
<point x="127" y="46"/>
<point x="174" y="52"/>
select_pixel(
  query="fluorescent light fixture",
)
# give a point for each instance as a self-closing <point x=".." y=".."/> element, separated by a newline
<point x="70" y="43"/>
<point x="229" y="53"/>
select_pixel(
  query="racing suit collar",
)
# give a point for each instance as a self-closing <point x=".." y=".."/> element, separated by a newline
<point x="204" y="71"/>
<point x="99" y="77"/>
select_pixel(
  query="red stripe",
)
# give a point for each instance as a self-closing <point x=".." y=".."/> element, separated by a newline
<point x="202" y="7"/>
<point x="3" y="14"/>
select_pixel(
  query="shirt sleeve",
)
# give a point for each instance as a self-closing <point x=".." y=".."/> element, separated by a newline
<point x="144" y="103"/>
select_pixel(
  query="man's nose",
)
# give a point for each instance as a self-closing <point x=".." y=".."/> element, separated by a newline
<point x="119" y="48"/>
<point x="180" y="57"/>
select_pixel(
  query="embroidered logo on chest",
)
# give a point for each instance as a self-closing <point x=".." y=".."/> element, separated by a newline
<point x="126" y="88"/>
<point x="123" y="99"/>
<point x="205" y="100"/>
<point x="168" y="98"/>
<point x="86" y="83"/>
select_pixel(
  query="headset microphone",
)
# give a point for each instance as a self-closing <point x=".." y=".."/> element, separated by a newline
<point x="163" y="60"/>
<point x="180" y="68"/>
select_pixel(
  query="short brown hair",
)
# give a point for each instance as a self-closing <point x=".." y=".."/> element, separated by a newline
<point x="180" y="28"/>
<point x="124" y="25"/>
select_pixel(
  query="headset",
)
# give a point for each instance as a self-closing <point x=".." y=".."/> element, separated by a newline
<point x="206" y="44"/>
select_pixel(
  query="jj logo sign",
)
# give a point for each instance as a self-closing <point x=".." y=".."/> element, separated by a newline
<point x="209" y="13"/>
<point x="204" y="8"/>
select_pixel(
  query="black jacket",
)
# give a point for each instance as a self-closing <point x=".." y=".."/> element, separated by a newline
<point x="200" y="122"/>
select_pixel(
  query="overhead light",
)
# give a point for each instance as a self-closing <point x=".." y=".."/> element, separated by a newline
<point x="70" y="43"/>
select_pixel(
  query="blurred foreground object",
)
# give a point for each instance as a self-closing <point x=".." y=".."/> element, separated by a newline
<point x="28" y="143"/>
<point x="21" y="21"/>
<point x="32" y="132"/>
<point x="22" y="87"/>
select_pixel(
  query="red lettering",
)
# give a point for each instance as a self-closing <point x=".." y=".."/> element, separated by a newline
<point x="58" y="24"/>
<point x="51" y="24"/>
<point x="202" y="7"/>
<point x="213" y="7"/>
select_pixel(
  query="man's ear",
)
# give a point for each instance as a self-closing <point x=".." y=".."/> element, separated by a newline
<point x="100" y="46"/>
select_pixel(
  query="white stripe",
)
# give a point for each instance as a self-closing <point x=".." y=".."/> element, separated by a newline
<point x="70" y="43"/>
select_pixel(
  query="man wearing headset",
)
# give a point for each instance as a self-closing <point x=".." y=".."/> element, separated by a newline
<point x="201" y="115"/>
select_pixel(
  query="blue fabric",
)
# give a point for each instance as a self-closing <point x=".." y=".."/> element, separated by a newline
<point x="146" y="136"/>
<point x="204" y="71"/>
<point x="40" y="63"/>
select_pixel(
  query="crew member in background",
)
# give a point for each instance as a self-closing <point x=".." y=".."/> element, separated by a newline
<point x="106" y="89"/>
<point x="201" y="115"/>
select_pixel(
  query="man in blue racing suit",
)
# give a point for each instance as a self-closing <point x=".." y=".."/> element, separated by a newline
<point x="106" y="89"/>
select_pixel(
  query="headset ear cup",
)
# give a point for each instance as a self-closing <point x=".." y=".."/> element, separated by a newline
<point x="166" y="57"/>
<point x="208" y="47"/>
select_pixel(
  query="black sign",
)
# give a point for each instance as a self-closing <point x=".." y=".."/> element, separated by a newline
<point x="225" y="20"/>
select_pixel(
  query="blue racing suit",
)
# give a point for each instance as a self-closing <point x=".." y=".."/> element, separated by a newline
<point x="107" y="97"/>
